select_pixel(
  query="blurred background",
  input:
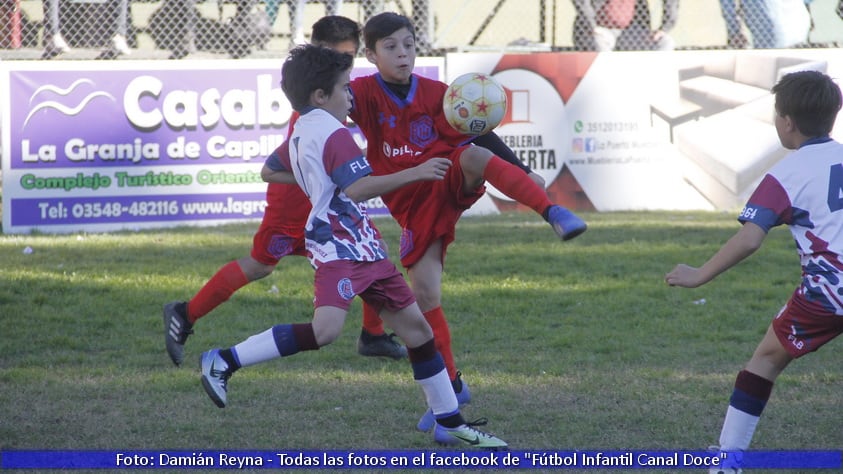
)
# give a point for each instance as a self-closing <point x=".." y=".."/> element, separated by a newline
<point x="205" y="29"/>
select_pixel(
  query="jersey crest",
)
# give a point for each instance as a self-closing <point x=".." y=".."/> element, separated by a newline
<point x="422" y="131"/>
<point x="344" y="289"/>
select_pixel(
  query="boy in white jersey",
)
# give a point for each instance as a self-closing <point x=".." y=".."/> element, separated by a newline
<point x="343" y="245"/>
<point x="803" y="191"/>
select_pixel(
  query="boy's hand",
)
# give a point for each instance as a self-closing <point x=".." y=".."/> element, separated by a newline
<point x="684" y="276"/>
<point x="433" y="169"/>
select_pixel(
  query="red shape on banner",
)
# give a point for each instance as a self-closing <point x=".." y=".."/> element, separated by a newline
<point x="564" y="70"/>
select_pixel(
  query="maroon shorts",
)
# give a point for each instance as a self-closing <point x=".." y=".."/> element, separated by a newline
<point x="802" y="328"/>
<point x="379" y="284"/>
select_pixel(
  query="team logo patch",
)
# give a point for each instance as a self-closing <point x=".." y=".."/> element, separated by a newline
<point x="344" y="289"/>
<point x="405" y="244"/>
<point x="280" y="246"/>
<point x="422" y="131"/>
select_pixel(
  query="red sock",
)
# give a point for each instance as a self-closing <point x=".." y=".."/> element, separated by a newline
<point x="372" y="323"/>
<point x="442" y="336"/>
<point x="216" y="291"/>
<point x="514" y="182"/>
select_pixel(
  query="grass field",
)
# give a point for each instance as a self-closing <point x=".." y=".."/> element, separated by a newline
<point x="576" y="345"/>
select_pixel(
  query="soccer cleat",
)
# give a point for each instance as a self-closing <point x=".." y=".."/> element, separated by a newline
<point x="215" y="375"/>
<point x="54" y="46"/>
<point x="384" y="345"/>
<point x="427" y="420"/>
<point x="176" y="330"/>
<point x="565" y="223"/>
<point x="468" y="435"/>
<point x="731" y="461"/>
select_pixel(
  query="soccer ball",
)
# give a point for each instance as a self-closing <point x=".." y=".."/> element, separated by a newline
<point x="474" y="104"/>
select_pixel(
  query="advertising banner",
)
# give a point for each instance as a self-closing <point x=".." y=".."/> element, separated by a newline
<point x="679" y="130"/>
<point x="154" y="144"/>
<point x="89" y="147"/>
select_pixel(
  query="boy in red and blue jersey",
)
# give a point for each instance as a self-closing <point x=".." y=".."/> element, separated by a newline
<point x="400" y="113"/>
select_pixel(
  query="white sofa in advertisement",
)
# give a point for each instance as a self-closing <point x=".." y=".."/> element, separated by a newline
<point x="733" y="143"/>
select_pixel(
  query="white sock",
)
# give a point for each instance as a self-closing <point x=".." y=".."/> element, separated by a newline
<point x="440" y="394"/>
<point x="256" y="349"/>
<point x="738" y="429"/>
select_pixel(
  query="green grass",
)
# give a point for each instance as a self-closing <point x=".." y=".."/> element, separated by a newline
<point x="576" y="345"/>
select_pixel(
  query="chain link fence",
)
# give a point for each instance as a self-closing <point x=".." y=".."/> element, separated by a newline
<point x="160" y="29"/>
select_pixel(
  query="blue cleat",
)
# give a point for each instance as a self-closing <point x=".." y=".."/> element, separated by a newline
<point x="565" y="223"/>
<point x="427" y="420"/>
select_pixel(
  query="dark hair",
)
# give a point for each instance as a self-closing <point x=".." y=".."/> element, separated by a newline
<point x="309" y="68"/>
<point x="333" y="29"/>
<point x="384" y="24"/>
<point x="811" y="99"/>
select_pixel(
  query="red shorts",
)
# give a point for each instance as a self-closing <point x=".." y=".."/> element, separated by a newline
<point x="281" y="232"/>
<point x="802" y="328"/>
<point x="379" y="284"/>
<point x="429" y="210"/>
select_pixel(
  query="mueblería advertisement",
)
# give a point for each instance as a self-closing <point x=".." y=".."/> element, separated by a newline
<point x="679" y="130"/>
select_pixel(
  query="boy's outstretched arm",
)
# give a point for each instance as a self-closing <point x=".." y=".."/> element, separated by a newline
<point x="743" y="244"/>
<point x="370" y="186"/>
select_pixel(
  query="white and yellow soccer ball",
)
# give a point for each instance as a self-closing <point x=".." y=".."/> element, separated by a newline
<point x="474" y="103"/>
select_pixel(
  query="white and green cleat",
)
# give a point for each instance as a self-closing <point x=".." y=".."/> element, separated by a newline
<point x="468" y="436"/>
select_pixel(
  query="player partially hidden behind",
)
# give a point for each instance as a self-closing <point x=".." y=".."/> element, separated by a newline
<point x="343" y="244"/>
<point x="401" y="112"/>
<point x="281" y="233"/>
<point x="803" y="191"/>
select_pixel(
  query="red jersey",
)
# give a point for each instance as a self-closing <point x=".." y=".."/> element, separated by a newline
<point x="402" y="133"/>
<point x="287" y="205"/>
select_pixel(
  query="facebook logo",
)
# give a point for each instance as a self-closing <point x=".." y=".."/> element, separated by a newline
<point x="590" y="145"/>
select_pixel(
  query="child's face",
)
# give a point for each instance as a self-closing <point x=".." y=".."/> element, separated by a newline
<point x="339" y="102"/>
<point x="394" y="56"/>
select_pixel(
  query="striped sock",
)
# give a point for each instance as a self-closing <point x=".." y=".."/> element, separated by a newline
<point x="280" y="341"/>
<point x="748" y="400"/>
<point x="429" y="372"/>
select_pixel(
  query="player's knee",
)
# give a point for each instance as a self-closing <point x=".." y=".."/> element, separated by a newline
<point x="263" y="271"/>
<point x="326" y="334"/>
<point x="255" y="270"/>
<point x="427" y="297"/>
